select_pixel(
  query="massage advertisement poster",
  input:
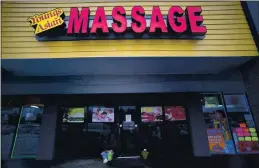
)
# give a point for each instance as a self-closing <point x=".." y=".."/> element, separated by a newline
<point x="217" y="125"/>
<point x="216" y="141"/>
<point x="211" y="103"/>
<point x="242" y="124"/>
<point x="151" y="114"/>
<point x="174" y="113"/>
<point x="244" y="132"/>
<point x="102" y="114"/>
<point x="246" y="140"/>
<point x="74" y="115"/>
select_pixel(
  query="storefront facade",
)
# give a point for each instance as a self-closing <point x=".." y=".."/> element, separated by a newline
<point x="103" y="74"/>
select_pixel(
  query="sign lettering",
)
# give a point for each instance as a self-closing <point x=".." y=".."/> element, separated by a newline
<point x="177" y="22"/>
<point x="47" y="21"/>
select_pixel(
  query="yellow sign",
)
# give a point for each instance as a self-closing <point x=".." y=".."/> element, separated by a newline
<point x="47" y="21"/>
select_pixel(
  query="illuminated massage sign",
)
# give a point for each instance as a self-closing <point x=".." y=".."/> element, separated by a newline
<point x="178" y="23"/>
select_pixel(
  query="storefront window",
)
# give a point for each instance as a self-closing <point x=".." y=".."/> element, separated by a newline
<point x="9" y="122"/>
<point x="241" y="123"/>
<point x="28" y="132"/>
<point x="218" y="132"/>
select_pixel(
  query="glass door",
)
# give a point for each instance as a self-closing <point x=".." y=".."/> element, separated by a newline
<point x="71" y="137"/>
<point x="102" y="130"/>
<point x="128" y="137"/>
<point x="176" y="132"/>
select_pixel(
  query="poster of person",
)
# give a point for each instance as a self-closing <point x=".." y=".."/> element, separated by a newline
<point x="74" y="115"/>
<point x="173" y="113"/>
<point x="151" y="114"/>
<point x="216" y="141"/>
<point x="102" y="114"/>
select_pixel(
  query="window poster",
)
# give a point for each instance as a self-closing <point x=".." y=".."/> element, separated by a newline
<point x="236" y="103"/>
<point x="151" y="114"/>
<point x="9" y="122"/>
<point x="242" y="124"/>
<point x="216" y="140"/>
<point x="28" y="132"/>
<point x="102" y="114"/>
<point x="74" y="115"/>
<point x="218" y="132"/>
<point x="128" y="118"/>
<point x="173" y="113"/>
<point x="211" y="101"/>
<point x="127" y="114"/>
<point x="244" y="132"/>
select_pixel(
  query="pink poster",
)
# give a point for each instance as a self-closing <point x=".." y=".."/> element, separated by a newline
<point x="101" y="114"/>
<point x="151" y="114"/>
<point x="173" y="113"/>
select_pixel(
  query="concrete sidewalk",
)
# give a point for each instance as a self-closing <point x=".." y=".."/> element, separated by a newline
<point x="77" y="163"/>
<point x="90" y="163"/>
